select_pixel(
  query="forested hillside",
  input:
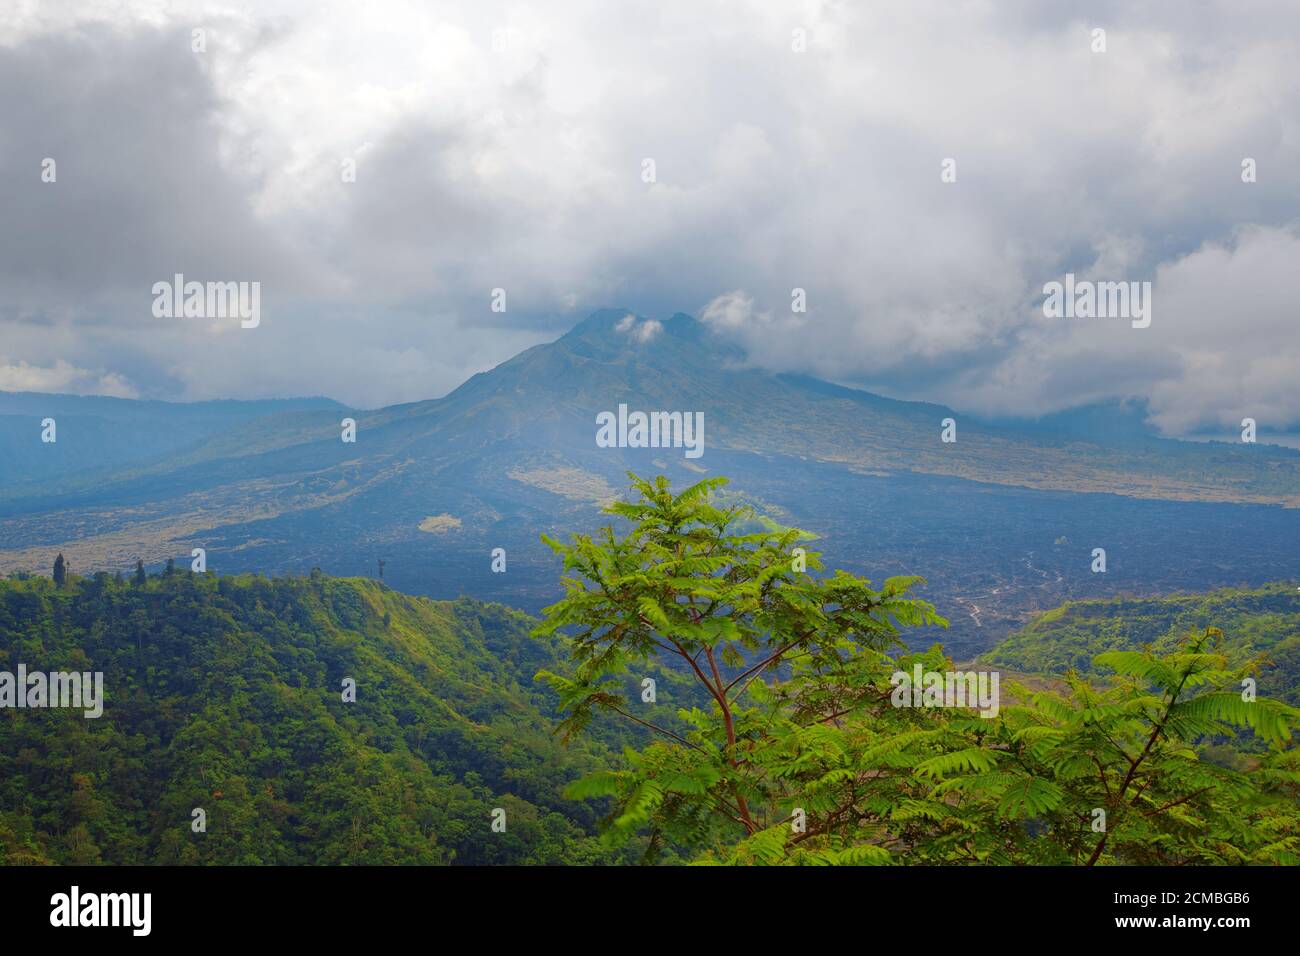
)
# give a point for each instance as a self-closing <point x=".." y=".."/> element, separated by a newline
<point x="1256" y="622"/>
<point x="226" y="694"/>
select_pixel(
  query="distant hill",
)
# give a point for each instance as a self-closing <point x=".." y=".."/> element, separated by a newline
<point x="98" y="434"/>
<point x="433" y="487"/>
<point x="226" y="695"/>
<point x="546" y="398"/>
<point x="1258" y="620"/>
<point x="1115" y="424"/>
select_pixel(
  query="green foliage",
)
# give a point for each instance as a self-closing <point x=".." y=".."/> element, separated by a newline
<point x="797" y="754"/>
<point x="225" y="694"/>
<point x="1260" y="624"/>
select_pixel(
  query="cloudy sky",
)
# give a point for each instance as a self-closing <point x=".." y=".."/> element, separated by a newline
<point x="504" y="146"/>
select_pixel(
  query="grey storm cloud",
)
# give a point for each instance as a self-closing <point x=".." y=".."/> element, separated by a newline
<point x="130" y="120"/>
<point x="502" y="146"/>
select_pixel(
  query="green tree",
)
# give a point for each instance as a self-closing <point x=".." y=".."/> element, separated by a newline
<point x="140" y="577"/>
<point x="726" y="597"/>
<point x="799" y="752"/>
<point x="60" y="571"/>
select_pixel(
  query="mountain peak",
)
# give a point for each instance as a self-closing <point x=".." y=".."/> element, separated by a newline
<point x="613" y="334"/>
<point x="610" y="324"/>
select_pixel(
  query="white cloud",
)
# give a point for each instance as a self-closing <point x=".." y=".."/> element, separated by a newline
<point x="62" y="377"/>
<point x="731" y="311"/>
<point x="640" y="332"/>
<point x="1221" y="345"/>
<point x="501" y="146"/>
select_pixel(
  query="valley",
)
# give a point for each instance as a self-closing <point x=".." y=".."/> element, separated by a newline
<point x="1001" y="523"/>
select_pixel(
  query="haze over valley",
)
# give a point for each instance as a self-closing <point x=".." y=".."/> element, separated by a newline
<point x="1002" y="521"/>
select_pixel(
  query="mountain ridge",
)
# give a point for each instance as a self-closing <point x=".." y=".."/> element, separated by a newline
<point x="433" y="487"/>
